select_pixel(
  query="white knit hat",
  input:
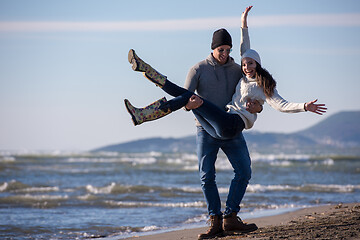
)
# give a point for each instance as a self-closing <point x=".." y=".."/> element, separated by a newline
<point x="250" y="53"/>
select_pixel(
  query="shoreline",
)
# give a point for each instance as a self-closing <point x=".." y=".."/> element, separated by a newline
<point x="343" y="221"/>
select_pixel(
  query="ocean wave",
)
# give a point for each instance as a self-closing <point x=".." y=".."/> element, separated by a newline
<point x="31" y="200"/>
<point x="330" y="188"/>
<point x="41" y="197"/>
<point x="12" y="186"/>
<point x="136" y="160"/>
<point x="87" y="197"/>
<point x="121" y="159"/>
<point x="45" y="154"/>
<point x="254" y="208"/>
<point x="4" y="186"/>
<point x="281" y="156"/>
<point x="92" y="160"/>
<point x="310" y="162"/>
<point x="38" y="189"/>
<point x="264" y="188"/>
<point x="101" y="190"/>
<point x="135" y="204"/>
<point x="117" y="232"/>
<point x="326" y="162"/>
<point x="7" y="159"/>
<point x="304" y="188"/>
<point x="274" y="160"/>
<point x="19" y="187"/>
<point x="141" y="161"/>
<point x="190" y="189"/>
<point x="114" y="188"/>
<point x="150" y="228"/>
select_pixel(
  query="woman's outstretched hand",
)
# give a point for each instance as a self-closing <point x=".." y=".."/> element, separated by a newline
<point x="244" y="17"/>
<point x="315" y="108"/>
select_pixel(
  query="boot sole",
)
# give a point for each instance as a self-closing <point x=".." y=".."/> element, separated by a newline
<point x="222" y="234"/>
<point x="131" y="114"/>
<point x="132" y="60"/>
<point x="232" y="232"/>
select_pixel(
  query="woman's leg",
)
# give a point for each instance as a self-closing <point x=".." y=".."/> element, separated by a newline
<point x="221" y="124"/>
<point x="181" y="95"/>
<point x="217" y="122"/>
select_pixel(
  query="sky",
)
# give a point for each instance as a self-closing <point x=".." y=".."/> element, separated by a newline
<point x="64" y="72"/>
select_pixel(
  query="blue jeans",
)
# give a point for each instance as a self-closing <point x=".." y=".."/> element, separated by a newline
<point x="216" y="121"/>
<point x="237" y="152"/>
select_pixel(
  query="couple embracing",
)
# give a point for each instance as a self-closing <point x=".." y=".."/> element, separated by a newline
<point x="225" y="98"/>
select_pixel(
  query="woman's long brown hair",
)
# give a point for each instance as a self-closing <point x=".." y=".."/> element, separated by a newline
<point x="265" y="80"/>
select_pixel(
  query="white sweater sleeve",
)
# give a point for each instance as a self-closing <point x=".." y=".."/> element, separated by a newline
<point x="245" y="41"/>
<point x="280" y="104"/>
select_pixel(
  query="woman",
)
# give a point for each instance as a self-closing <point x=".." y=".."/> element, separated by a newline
<point x="257" y="84"/>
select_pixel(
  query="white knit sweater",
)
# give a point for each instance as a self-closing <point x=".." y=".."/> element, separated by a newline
<point x="248" y="89"/>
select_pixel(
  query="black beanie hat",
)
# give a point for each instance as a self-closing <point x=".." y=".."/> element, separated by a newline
<point x="221" y="37"/>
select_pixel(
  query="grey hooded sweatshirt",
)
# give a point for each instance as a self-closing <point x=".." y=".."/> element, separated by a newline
<point x="214" y="82"/>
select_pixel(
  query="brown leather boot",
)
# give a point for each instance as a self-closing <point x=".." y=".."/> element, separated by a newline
<point x="233" y="223"/>
<point x="215" y="229"/>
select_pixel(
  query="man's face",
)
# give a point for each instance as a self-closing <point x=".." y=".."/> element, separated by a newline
<point x="221" y="53"/>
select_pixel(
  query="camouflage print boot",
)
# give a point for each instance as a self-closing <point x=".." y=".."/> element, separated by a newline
<point x="148" y="113"/>
<point x="139" y="65"/>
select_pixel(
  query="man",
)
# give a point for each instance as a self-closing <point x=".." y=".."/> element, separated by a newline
<point x="215" y="79"/>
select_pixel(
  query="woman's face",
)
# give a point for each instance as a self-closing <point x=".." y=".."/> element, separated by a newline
<point x="248" y="66"/>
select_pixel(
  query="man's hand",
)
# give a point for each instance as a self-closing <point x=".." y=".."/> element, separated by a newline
<point x="253" y="106"/>
<point x="194" y="102"/>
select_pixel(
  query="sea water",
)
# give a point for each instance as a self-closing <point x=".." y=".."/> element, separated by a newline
<point x="64" y="195"/>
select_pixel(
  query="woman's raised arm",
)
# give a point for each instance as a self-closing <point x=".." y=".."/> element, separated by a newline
<point x="244" y="17"/>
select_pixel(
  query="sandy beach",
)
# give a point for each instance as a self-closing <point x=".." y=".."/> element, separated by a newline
<point x="340" y="221"/>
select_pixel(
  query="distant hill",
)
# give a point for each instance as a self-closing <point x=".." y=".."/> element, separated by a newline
<point x="340" y="130"/>
<point x="185" y="144"/>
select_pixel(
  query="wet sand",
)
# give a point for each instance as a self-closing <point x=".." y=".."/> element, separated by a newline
<point x="340" y="221"/>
